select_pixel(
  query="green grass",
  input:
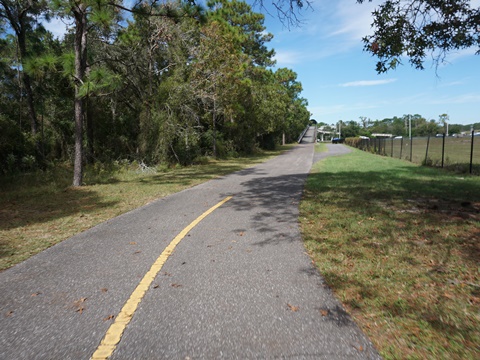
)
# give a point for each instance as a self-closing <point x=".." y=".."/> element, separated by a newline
<point x="41" y="209"/>
<point x="321" y="147"/>
<point x="400" y="246"/>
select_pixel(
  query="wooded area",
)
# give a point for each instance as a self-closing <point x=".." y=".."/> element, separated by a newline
<point x="157" y="82"/>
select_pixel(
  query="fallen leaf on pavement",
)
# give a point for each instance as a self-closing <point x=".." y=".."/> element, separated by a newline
<point x="292" y="308"/>
<point x="324" y="312"/>
<point x="109" y="317"/>
<point x="79" y="301"/>
<point x="176" y="285"/>
<point x="78" y="304"/>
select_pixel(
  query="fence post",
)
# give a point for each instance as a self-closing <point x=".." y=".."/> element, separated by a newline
<point x="391" y="153"/>
<point x="426" y="152"/>
<point x="401" y="147"/>
<point x="443" y="148"/>
<point x="411" y="148"/>
<point x="471" y="153"/>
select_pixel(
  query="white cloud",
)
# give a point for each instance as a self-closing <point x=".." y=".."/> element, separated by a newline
<point x="352" y="19"/>
<point x="455" y="55"/>
<point x="368" y="82"/>
<point x="339" y="109"/>
<point x="458" y="99"/>
<point x="287" y="57"/>
<point x="452" y="83"/>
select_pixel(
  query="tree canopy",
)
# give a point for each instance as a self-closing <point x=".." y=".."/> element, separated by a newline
<point x="155" y="83"/>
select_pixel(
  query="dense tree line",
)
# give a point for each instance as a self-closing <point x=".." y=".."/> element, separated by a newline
<point x="157" y="82"/>
<point x="398" y="126"/>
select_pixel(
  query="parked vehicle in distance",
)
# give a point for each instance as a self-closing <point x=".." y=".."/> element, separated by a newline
<point x="337" y="140"/>
<point x="398" y="137"/>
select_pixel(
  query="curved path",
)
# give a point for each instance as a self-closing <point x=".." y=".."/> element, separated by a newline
<point x="237" y="286"/>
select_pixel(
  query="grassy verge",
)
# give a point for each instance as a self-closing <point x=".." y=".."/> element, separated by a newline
<point x="400" y="246"/>
<point x="321" y="147"/>
<point x="39" y="210"/>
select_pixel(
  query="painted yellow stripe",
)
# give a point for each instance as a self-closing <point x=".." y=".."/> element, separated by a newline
<point x="114" y="333"/>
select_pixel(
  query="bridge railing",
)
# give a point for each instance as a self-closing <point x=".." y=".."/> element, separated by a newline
<point x="300" y="138"/>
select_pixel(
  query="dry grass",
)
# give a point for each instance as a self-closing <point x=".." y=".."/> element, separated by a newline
<point x="399" y="245"/>
<point x="39" y="210"/>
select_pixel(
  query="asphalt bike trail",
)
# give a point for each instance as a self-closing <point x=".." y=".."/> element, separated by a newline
<point x="237" y="285"/>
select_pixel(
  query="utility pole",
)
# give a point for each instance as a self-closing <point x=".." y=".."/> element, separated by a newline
<point x="446" y="123"/>
<point x="410" y="127"/>
<point x="410" y="134"/>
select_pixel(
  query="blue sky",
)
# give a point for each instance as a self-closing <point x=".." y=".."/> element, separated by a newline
<point x="339" y="79"/>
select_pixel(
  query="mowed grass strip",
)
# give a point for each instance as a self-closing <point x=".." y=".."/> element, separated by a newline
<point x="399" y="244"/>
<point x="39" y="210"/>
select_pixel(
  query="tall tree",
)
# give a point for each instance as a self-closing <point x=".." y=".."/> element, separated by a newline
<point x="248" y="26"/>
<point x="85" y="13"/>
<point x="291" y="89"/>
<point x="218" y="67"/>
<point x="21" y="16"/>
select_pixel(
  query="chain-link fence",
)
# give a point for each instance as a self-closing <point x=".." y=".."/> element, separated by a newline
<point x="461" y="154"/>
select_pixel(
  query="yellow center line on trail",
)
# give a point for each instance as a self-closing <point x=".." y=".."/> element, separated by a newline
<point x="114" y="333"/>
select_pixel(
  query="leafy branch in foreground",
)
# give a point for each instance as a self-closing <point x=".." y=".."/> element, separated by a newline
<point x="418" y="28"/>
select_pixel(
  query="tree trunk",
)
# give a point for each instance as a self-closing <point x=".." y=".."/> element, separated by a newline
<point x="80" y="46"/>
<point x="214" y="129"/>
<point x="90" y="132"/>
<point x="32" y="115"/>
<point x="31" y="107"/>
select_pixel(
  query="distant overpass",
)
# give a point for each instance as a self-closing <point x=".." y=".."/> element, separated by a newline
<point x="382" y="135"/>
